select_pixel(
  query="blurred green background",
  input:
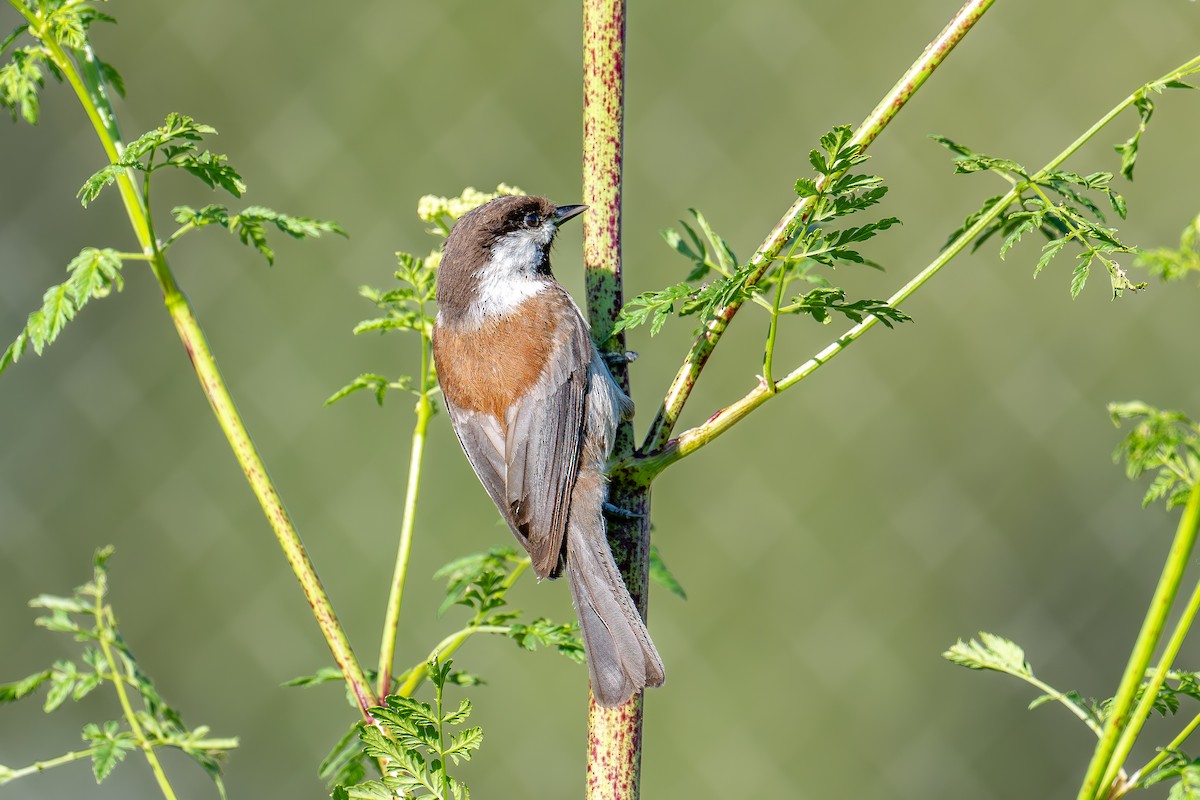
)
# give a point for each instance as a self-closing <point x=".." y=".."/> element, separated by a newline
<point x="946" y="477"/>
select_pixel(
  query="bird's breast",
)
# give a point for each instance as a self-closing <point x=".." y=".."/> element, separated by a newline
<point x="487" y="368"/>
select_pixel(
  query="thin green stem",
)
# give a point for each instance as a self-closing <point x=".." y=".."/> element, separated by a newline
<point x="387" y="647"/>
<point x="446" y="647"/>
<point x="681" y="387"/>
<point x="194" y="341"/>
<point x="1165" y="752"/>
<point x="1121" y="727"/>
<point x="180" y="231"/>
<point x="1145" y="705"/>
<point x="1059" y="697"/>
<point x="772" y="332"/>
<point x="688" y="442"/>
<point x="50" y="763"/>
<point x="106" y="623"/>
<point x="442" y="741"/>
<point x="66" y="65"/>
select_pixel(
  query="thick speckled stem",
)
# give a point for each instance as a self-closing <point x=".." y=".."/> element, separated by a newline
<point x="685" y="380"/>
<point x="614" y="734"/>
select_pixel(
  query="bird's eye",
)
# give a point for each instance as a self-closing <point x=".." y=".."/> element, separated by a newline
<point x="532" y="220"/>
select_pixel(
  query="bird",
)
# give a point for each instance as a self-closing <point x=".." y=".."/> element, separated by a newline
<point x="536" y="410"/>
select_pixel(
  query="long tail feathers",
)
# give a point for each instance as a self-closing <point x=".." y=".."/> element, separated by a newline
<point x="621" y="658"/>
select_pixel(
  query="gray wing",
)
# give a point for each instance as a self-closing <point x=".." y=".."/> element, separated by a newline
<point x="542" y="450"/>
<point x="483" y="442"/>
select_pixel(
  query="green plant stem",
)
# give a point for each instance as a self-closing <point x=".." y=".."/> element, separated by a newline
<point x="42" y="766"/>
<point x="446" y="647"/>
<point x="387" y="648"/>
<point x="685" y="380"/>
<point x="1145" y="705"/>
<point x="1175" y="744"/>
<point x="211" y="381"/>
<point x="772" y="333"/>
<point x="1062" y="699"/>
<point x="106" y="623"/>
<point x="1121" y="727"/>
<point x="688" y="442"/>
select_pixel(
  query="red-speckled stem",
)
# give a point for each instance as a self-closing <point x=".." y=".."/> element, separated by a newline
<point x="614" y="734"/>
<point x="935" y="53"/>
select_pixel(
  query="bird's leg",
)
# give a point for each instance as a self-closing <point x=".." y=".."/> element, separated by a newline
<point x="619" y="357"/>
<point x="616" y="512"/>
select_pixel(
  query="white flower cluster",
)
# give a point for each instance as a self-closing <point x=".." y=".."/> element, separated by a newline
<point x="430" y="207"/>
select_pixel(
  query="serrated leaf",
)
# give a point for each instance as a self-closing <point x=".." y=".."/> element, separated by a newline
<point x="463" y="711"/>
<point x="52" y="602"/>
<point x="323" y="675"/>
<point x="62" y="684"/>
<point x="93" y="273"/>
<point x="377" y="384"/>
<point x="13" y="36"/>
<point x="58" y="621"/>
<point x="178" y="128"/>
<point x="11" y="692"/>
<point x="110" y="75"/>
<point x="85" y="684"/>
<point x="1188" y="787"/>
<point x="676" y="242"/>
<point x="724" y="253"/>
<point x="1079" y="275"/>
<point x="463" y="744"/>
<point x="992" y="652"/>
<point x="102" y="177"/>
<point x="109" y="747"/>
<point x="344" y="762"/>
<point x="952" y="145"/>
<point x="1129" y="148"/>
<point x="1164" y="441"/>
<point x="20" y="80"/>
<point x="654" y="307"/>
<point x="807" y="187"/>
<point x="818" y="161"/>
<point x="660" y="574"/>
<point x="211" y="168"/>
<point x="249" y="225"/>
<point x="1049" y="251"/>
<point x="368" y="790"/>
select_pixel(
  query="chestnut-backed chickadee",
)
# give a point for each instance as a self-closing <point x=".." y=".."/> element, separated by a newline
<point x="536" y="411"/>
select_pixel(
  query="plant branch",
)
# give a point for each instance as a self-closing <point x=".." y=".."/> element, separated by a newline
<point x="1121" y="727"/>
<point x="446" y="647"/>
<point x="105" y="624"/>
<point x="101" y="115"/>
<point x="1175" y="744"/>
<point x="1145" y="705"/>
<point x="387" y="648"/>
<point x="614" y="734"/>
<point x="912" y="80"/>
<point x="42" y="766"/>
<point x="651" y="462"/>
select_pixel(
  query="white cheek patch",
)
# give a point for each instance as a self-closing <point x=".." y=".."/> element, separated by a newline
<point x="510" y="278"/>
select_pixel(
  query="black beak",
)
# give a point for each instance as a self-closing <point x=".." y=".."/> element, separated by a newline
<point x="564" y="213"/>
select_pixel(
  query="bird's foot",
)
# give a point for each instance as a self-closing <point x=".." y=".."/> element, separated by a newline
<point x="621" y="357"/>
<point x="616" y="512"/>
